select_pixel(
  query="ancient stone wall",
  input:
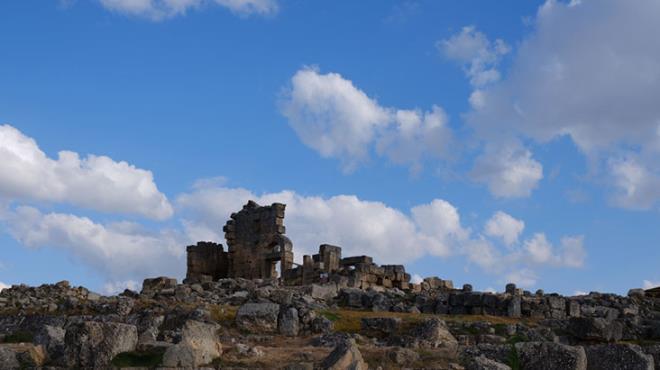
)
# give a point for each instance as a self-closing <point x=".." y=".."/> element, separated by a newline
<point x="207" y="261"/>
<point x="256" y="242"/>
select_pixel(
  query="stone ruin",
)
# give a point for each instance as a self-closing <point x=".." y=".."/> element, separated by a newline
<point x="256" y="244"/>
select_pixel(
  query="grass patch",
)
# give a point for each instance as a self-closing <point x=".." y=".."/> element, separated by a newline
<point x="513" y="360"/>
<point x="19" y="337"/>
<point x="150" y="359"/>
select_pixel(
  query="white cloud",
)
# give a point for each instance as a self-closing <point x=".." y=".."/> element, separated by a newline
<point x="356" y="225"/>
<point x="373" y="228"/>
<point x="580" y="292"/>
<point x="571" y="252"/>
<point x="115" y="287"/>
<point x="119" y="251"/>
<point x="338" y="120"/>
<point x="589" y="71"/>
<point x="95" y="182"/>
<point x="4" y="286"/>
<point x="504" y="226"/>
<point x="648" y="284"/>
<point x="416" y="279"/>
<point x="479" y="55"/>
<point x="163" y="9"/>
<point x="508" y="171"/>
<point x="523" y="278"/>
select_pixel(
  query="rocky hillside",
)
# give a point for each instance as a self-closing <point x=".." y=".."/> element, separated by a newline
<point x="239" y="324"/>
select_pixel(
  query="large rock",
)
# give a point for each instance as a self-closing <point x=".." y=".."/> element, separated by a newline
<point x="158" y="284"/>
<point x="199" y="345"/>
<point x="21" y="356"/>
<point x="484" y="363"/>
<point x="595" y="329"/>
<point x="94" y="344"/>
<point x="550" y="356"/>
<point x="289" y="323"/>
<point x="433" y="333"/>
<point x="654" y="351"/>
<point x="402" y="356"/>
<point x="346" y="356"/>
<point x="258" y="318"/>
<point x="52" y="339"/>
<point x="618" y="356"/>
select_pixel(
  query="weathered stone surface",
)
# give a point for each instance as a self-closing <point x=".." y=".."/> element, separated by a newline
<point x="433" y="333"/>
<point x="654" y="351"/>
<point x="484" y="363"/>
<point x="618" y="356"/>
<point x="289" y="323"/>
<point x="402" y="356"/>
<point x="94" y="344"/>
<point x="199" y="346"/>
<point x="346" y="356"/>
<point x="52" y="339"/>
<point x="258" y="317"/>
<point x="551" y="356"/>
<point x="158" y="284"/>
<point x="595" y="329"/>
<point x="21" y="356"/>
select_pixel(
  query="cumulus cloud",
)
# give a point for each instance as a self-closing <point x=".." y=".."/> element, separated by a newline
<point x="477" y="53"/>
<point x="163" y="9"/>
<point x="358" y="226"/>
<point x="648" y="284"/>
<point x="121" y="250"/>
<point x="373" y="228"/>
<point x="338" y="120"/>
<point x="504" y="226"/>
<point x="508" y="171"/>
<point x="589" y="71"/>
<point x="94" y="182"/>
<point x="115" y="287"/>
<point x="524" y="278"/>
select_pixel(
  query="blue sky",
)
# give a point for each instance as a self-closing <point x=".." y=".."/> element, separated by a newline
<point x="479" y="141"/>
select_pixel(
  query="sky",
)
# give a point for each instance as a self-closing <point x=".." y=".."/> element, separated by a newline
<point x="478" y="141"/>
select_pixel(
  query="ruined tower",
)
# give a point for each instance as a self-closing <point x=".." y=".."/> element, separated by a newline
<point x="256" y="242"/>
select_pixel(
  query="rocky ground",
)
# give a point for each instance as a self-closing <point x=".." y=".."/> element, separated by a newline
<point x="239" y="324"/>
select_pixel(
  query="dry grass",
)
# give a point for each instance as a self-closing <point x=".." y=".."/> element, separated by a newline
<point x="223" y="314"/>
<point x="349" y="321"/>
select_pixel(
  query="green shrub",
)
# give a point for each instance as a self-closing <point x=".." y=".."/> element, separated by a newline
<point x="151" y="358"/>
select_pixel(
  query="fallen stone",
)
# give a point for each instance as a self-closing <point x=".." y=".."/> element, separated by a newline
<point x="289" y="323"/>
<point x="551" y="356"/>
<point x="199" y="345"/>
<point x="402" y="356"/>
<point x="94" y="344"/>
<point x="433" y="333"/>
<point x="158" y="284"/>
<point x="258" y="318"/>
<point x="380" y="325"/>
<point x="21" y="356"/>
<point x="595" y="329"/>
<point x="618" y="356"/>
<point x="346" y="356"/>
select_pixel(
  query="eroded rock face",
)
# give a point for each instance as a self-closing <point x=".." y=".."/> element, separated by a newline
<point x="94" y="344"/>
<point x="551" y="356"/>
<point x="158" y="284"/>
<point x="199" y="345"/>
<point x="21" y="356"/>
<point x="433" y="333"/>
<point x="346" y="356"/>
<point x="595" y="329"/>
<point x="289" y="323"/>
<point x="618" y="356"/>
<point x="258" y="317"/>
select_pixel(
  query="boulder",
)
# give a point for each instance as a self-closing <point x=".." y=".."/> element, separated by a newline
<point x="21" y="356"/>
<point x="346" y="356"/>
<point x="258" y="318"/>
<point x="550" y="356"/>
<point x="618" y="356"/>
<point x="595" y="329"/>
<point x="484" y="363"/>
<point x="380" y="325"/>
<point x="52" y="339"/>
<point x="289" y="323"/>
<point x="654" y="351"/>
<point x="158" y="284"/>
<point x="433" y="333"/>
<point x="325" y="291"/>
<point x="94" y="344"/>
<point x="402" y="356"/>
<point x="199" y="345"/>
